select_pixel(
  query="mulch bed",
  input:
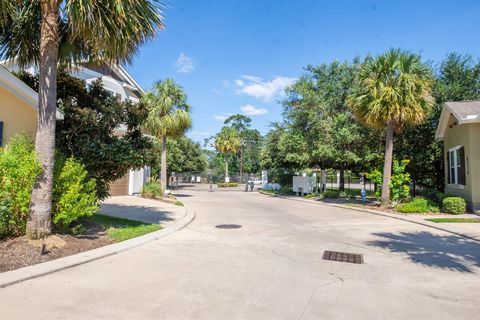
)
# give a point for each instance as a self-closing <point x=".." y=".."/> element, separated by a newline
<point x="20" y="252"/>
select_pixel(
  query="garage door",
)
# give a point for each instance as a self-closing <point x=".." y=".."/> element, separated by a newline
<point x="120" y="187"/>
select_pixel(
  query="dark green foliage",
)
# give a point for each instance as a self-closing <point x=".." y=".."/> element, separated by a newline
<point x="454" y="205"/>
<point x="89" y="133"/>
<point x="319" y="128"/>
<point x="152" y="189"/>
<point x="184" y="155"/>
<point x="457" y="79"/>
<point x="19" y="169"/>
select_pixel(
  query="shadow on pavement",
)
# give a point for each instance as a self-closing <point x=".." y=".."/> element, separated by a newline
<point x="437" y="251"/>
<point x="138" y="213"/>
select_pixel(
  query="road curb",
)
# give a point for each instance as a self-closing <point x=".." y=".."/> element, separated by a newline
<point x="11" y="277"/>
<point x="419" y="221"/>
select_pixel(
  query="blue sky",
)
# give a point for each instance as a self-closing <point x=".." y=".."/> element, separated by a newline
<point x="236" y="56"/>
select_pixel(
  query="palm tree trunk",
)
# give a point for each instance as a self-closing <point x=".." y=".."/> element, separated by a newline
<point x="387" y="169"/>
<point x="226" y="168"/>
<point x="163" y="166"/>
<point x="39" y="220"/>
<point x="241" y="164"/>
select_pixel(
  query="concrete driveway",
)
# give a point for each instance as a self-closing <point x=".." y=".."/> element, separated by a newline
<point x="270" y="268"/>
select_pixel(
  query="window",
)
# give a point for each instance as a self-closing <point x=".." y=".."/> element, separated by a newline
<point x="456" y="165"/>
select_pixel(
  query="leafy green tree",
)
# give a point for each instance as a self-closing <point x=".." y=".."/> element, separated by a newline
<point x="185" y="155"/>
<point x="316" y="112"/>
<point x="227" y="141"/>
<point x="88" y="130"/>
<point x="251" y="140"/>
<point x="47" y="32"/>
<point x="168" y="116"/>
<point x="392" y="91"/>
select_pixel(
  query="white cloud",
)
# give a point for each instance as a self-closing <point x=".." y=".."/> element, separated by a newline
<point x="184" y="64"/>
<point x="267" y="91"/>
<point x="222" y="117"/>
<point x="253" y="111"/>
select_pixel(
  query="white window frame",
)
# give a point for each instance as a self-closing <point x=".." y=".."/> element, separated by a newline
<point x="454" y="163"/>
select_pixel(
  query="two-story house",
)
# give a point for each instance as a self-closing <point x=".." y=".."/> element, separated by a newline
<point x="18" y="109"/>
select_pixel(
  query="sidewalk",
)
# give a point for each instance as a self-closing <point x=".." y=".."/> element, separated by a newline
<point x="142" y="209"/>
<point x="172" y="217"/>
<point x="467" y="230"/>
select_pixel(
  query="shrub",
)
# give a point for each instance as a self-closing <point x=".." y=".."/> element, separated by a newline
<point x="74" y="194"/>
<point x="435" y="195"/>
<point x="152" y="189"/>
<point x="454" y="205"/>
<point x="285" y="190"/>
<point x="331" y="194"/>
<point x="227" y="184"/>
<point x="19" y="168"/>
<point x="399" y="182"/>
<point x="417" y="205"/>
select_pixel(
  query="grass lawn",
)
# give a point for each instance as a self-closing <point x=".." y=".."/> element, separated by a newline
<point x="122" y="229"/>
<point x="272" y="192"/>
<point x="454" y="220"/>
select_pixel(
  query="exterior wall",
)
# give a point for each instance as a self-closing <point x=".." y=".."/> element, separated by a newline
<point x="463" y="135"/>
<point x="474" y="164"/>
<point x="16" y="115"/>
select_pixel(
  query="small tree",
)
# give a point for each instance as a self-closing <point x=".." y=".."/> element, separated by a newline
<point x="392" y="91"/>
<point x="227" y="141"/>
<point x="168" y="116"/>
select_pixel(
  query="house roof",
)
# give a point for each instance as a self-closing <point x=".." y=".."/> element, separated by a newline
<point x="464" y="111"/>
<point x="18" y="88"/>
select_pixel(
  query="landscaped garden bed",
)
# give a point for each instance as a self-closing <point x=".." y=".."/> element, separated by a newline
<point x="92" y="232"/>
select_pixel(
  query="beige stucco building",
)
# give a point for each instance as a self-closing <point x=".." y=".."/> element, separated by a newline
<point x="459" y="128"/>
<point x="18" y="107"/>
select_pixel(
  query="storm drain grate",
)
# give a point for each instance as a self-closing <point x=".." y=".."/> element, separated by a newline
<point x="228" y="226"/>
<point x="342" y="257"/>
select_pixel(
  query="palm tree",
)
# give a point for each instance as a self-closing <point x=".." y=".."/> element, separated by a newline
<point x="392" y="91"/>
<point x="227" y="141"/>
<point x="49" y="32"/>
<point x="168" y="116"/>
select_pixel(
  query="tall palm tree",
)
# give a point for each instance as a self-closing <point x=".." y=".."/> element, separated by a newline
<point x="227" y="141"/>
<point x="392" y="91"/>
<point x="168" y="116"/>
<point x="49" y="32"/>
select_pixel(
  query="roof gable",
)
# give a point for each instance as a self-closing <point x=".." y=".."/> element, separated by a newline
<point x="464" y="111"/>
<point x="18" y="88"/>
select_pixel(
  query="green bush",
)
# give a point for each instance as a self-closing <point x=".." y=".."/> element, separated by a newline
<point x="227" y="184"/>
<point x="435" y="195"/>
<point x="417" y="205"/>
<point x="454" y="205"/>
<point x="152" y="189"/>
<point x="331" y="194"/>
<point x="399" y="182"/>
<point x="285" y="190"/>
<point x="74" y="194"/>
<point x="19" y="169"/>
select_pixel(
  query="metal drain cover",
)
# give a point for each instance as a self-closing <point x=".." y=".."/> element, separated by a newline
<point x="343" y="257"/>
<point x="228" y="226"/>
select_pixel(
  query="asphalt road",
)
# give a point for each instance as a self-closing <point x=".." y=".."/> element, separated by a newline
<point x="269" y="268"/>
